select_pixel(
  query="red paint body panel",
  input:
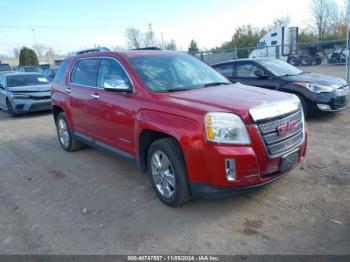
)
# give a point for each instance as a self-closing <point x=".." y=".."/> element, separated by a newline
<point x="117" y="119"/>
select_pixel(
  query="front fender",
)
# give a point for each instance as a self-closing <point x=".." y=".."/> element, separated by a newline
<point x="188" y="132"/>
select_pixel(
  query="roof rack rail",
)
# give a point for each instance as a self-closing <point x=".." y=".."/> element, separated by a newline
<point x="148" y="48"/>
<point x="92" y="50"/>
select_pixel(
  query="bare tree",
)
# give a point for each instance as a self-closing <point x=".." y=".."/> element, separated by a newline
<point x="171" y="45"/>
<point x="50" y="55"/>
<point x="150" y="40"/>
<point x="40" y="49"/>
<point x="134" y="37"/>
<point x="322" y="12"/>
<point x="16" y="52"/>
<point x="282" y="21"/>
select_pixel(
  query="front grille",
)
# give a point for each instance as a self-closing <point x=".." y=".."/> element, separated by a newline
<point x="278" y="144"/>
<point x="40" y="97"/>
<point x="40" y="106"/>
<point x="340" y="102"/>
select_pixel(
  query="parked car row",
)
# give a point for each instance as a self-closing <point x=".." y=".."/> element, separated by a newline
<point x="196" y="132"/>
<point x="45" y="69"/>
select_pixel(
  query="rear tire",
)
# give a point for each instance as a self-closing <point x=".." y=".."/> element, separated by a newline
<point x="65" y="135"/>
<point x="167" y="170"/>
<point x="305" y="60"/>
<point x="318" y="60"/>
<point x="293" y="60"/>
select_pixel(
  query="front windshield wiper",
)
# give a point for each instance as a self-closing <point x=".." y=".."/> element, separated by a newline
<point x="175" y="90"/>
<point x="215" y="84"/>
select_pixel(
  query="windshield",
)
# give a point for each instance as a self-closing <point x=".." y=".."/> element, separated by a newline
<point x="280" y="68"/>
<point x="175" y="72"/>
<point x="26" y="80"/>
<point x="5" y="67"/>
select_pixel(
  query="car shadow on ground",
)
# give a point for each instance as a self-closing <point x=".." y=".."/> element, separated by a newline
<point x="5" y="116"/>
<point x="322" y="116"/>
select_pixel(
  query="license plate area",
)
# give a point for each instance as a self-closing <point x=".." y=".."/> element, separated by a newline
<point x="289" y="160"/>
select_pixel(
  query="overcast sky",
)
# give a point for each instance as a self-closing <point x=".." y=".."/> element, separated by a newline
<point x="68" y="25"/>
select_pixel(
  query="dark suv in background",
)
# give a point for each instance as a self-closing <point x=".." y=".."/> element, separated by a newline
<point x="317" y="92"/>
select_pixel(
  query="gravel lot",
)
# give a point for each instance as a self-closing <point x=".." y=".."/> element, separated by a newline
<point x="88" y="202"/>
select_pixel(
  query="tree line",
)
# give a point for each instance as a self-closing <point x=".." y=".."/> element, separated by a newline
<point x="329" y="23"/>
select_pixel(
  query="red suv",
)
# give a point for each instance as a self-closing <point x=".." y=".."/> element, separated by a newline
<point x="194" y="132"/>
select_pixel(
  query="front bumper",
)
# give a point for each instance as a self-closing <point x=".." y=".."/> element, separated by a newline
<point x="253" y="167"/>
<point x="204" y="190"/>
<point x="29" y="105"/>
<point x="336" y="101"/>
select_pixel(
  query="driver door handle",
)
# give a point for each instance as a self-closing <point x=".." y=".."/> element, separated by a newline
<point x="68" y="90"/>
<point x="96" y="96"/>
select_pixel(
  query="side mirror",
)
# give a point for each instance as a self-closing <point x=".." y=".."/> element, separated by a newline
<point x="260" y="73"/>
<point x="117" y="86"/>
<point x="1" y="86"/>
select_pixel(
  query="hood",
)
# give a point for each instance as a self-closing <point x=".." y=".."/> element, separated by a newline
<point x="236" y="98"/>
<point x="318" y="79"/>
<point x="36" y="88"/>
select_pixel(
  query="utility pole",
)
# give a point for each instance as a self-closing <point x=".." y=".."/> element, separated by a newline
<point x="150" y="35"/>
<point x="161" y="33"/>
<point x="34" y="38"/>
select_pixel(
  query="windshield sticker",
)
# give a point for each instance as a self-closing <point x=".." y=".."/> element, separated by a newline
<point x="41" y="79"/>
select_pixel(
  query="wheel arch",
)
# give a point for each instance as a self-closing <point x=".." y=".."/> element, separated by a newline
<point x="56" y="110"/>
<point x="146" y="138"/>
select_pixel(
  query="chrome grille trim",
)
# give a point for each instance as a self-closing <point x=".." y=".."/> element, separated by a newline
<point x="278" y="145"/>
<point x="292" y="142"/>
<point x="271" y="125"/>
<point x="273" y="137"/>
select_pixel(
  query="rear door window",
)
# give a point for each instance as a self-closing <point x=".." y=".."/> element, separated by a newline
<point x="85" y="72"/>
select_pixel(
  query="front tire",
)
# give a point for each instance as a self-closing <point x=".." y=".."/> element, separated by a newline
<point x="65" y="137"/>
<point x="167" y="170"/>
<point x="10" y="110"/>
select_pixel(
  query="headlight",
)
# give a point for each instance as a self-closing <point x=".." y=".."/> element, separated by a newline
<point x="226" y="128"/>
<point x="316" y="88"/>
<point x="15" y="96"/>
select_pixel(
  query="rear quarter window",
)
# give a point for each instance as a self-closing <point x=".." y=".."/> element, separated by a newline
<point x="61" y="71"/>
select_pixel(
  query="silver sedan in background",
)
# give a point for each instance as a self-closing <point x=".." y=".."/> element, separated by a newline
<point x="24" y="92"/>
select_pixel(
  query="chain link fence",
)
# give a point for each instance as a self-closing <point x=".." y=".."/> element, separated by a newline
<point x="302" y="54"/>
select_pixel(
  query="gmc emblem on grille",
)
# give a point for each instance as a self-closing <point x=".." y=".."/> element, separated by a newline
<point x="286" y="128"/>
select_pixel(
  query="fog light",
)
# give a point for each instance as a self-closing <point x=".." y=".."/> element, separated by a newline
<point x="323" y="107"/>
<point x="230" y="167"/>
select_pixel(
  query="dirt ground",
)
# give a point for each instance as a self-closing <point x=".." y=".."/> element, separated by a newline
<point x="88" y="202"/>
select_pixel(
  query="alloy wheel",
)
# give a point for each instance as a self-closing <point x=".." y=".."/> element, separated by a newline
<point x="63" y="132"/>
<point x="163" y="174"/>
